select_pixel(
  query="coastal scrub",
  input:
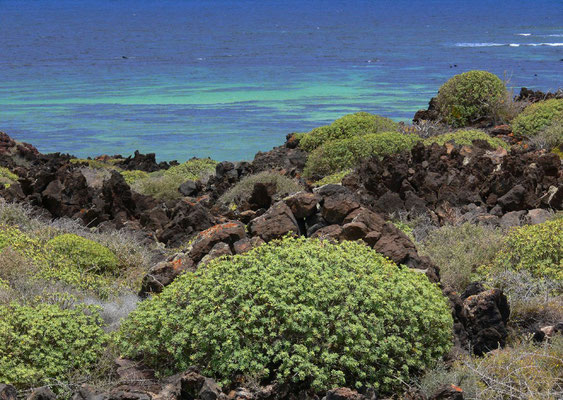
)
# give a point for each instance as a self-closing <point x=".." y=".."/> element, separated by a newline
<point x="295" y="310"/>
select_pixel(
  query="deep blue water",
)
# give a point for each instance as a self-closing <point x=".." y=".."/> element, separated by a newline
<point x="228" y="78"/>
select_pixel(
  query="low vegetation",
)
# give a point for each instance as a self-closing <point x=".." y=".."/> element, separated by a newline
<point x="338" y="155"/>
<point x="243" y="189"/>
<point x="523" y="370"/>
<point x="469" y="97"/>
<point x="295" y="310"/>
<point x="7" y="177"/>
<point x="466" y="138"/>
<point x="45" y="342"/>
<point x="164" y="184"/>
<point x="350" y="125"/>
<point x="537" y="117"/>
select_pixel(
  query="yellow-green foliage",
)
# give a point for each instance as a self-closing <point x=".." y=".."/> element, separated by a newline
<point x="350" y="125"/>
<point x="83" y="254"/>
<point x="466" y="138"/>
<point x="68" y="258"/>
<point x="133" y="176"/>
<point x="243" y="189"/>
<point x="470" y="96"/>
<point x="534" y="248"/>
<point x="45" y="342"/>
<point x="7" y="177"/>
<point x="537" y="116"/>
<point x="335" y="178"/>
<point x="164" y="184"/>
<point x="97" y="164"/>
<point x="295" y="310"/>
<point x="342" y="154"/>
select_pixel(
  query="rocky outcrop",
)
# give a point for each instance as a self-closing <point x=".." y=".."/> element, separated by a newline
<point x="143" y="162"/>
<point x="451" y="181"/>
<point x="480" y="318"/>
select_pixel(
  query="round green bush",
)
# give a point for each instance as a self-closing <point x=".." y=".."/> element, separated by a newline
<point x="466" y="138"/>
<point x="46" y="342"/>
<point x="537" y="249"/>
<point x="295" y="310"/>
<point x="337" y="155"/>
<point x="244" y="188"/>
<point x="537" y="116"/>
<point x="85" y="255"/>
<point x="361" y="123"/>
<point x="468" y="97"/>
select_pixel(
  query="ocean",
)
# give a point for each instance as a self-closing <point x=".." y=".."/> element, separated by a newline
<point x="225" y="79"/>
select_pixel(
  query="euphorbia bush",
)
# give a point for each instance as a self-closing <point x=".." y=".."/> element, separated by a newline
<point x="465" y="138"/>
<point x="342" y="154"/>
<point x="44" y="342"/>
<point x="361" y="123"/>
<point x="537" y="116"/>
<point x="537" y="249"/>
<point x="469" y="97"/>
<point x="295" y="310"/>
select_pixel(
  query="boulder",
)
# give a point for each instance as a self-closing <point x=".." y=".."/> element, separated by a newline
<point x="302" y="204"/>
<point x="278" y="221"/>
<point x="486" y="315"/>
<point x="246" y="244"/>
<point x="8" y="392"/>
<point x="331" y="232"/>
<point x="262" y="194"/>
<point x="447" y="392"/>
<point x="513" y="199"/>
<point x="229" y="232"/>
<point x="220" y="249"/>
<point x="193" y="386"/>
<point x="537" y="216"/>
<point x="188" y="188"/>
<point x="344" y="393"/>
<point x="42" y="393"/>
<point x="335" y="208"/>
<point x="163" y="274"/>
<point x="354" y="231"/>
<point x="512" y="218"/>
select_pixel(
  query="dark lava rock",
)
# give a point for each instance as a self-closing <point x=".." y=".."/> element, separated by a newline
<point x="447" y="392"/>
<point x="163" y="273"/>
<point x="302" y="204"/>
<point x="142" y="162"/>
<point x="262" y="194"/>
<point x="344" y="393"/>
<point x="274" y="223"/>
<point x="229" y="233"/>
<point x="8" y="392"/>
<point x="195" y="386"/>
<point x="188" y="188"/>
<point x="43" y="393"/>
<point x="335" y="208"/>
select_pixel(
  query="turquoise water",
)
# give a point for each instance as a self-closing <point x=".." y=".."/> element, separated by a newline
<point x="226" y="79"/>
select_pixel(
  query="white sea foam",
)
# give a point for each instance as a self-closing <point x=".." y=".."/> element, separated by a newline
<point x="479" y="44"/>
<point x="507" y="44"/>
<point x="523" y="34"/>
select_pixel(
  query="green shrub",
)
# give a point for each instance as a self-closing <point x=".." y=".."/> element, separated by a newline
<point x="7" y="177"/>
<point x="295" y="310"/>
<point x="342" y="154"/>
<point x="537" y="116"/>
<point x="243" y="189"/>
<point x="550" y="137"/>
<point x="466" y="138"/>
<point x="335" y="178"/>
<point x="97" y="164"/>
<point x="83" y="254"/>
<point x="133" y="176"/>
<point x="348" y="126"/>
<point x="470" y="96"/>
<point x="537" y="249"/>
<point x="46" y="342"/>
<point x="459" y="250"/>
<point x="164" y="184"/>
